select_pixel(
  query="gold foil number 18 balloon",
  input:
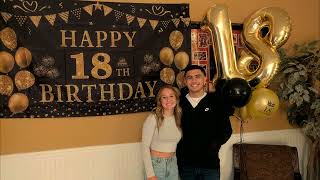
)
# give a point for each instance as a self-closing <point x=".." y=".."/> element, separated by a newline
<point x="260" y="47"/>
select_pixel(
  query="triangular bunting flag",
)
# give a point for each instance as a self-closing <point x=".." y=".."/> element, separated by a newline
<point x="106" y="10"/>
<point x="88" y="9"/>
<point x="21" y="19"/>
<point x="165" y="23"/>
<point x="118" y="14"/>
<point x="153" y="23"/>
<point x="35" y="20"/>
<point x="64" y="16"/>
<point x="141" y="21"/>
<point x="130" y="18"/>
<point x="6" y="16"/>
<point x="176" y="22"/>
<point x="77" y="13"/>
<point x="97" y="6"/>
<point x="51" y="18"/>
<point x="186" y="21"/>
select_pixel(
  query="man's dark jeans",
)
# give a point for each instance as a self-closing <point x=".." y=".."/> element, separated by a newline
<point x="192" y="173"/>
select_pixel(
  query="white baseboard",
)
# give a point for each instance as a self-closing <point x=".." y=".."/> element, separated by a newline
<point x="123" y="161"/>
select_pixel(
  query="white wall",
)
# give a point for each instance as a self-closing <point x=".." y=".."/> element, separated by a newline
<point x="123" y="161"/>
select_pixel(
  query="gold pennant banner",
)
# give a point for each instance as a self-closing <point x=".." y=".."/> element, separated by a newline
<point x="165" y="24"/>
<point x="35" y="20"/>
<point x="106" y="10"/>
<point x="130" y="18"/>
<point x="88" y="9"/>
<point x="64" y="16"/>
<point x="77" y="13"/>
<point x="51" y="18"/>
<point x="21" y="19"/>
<point x="186" y="21"/>
<point x="141" y="22"/>
<point x="153" y="23"/>
<point x="118" y="14"/>
<point x="176" y="22"/>
<point x="6" y="16"/>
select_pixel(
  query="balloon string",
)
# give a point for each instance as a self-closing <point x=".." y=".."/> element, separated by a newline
<point x="241" y="128"/>
<point x="243" y="166"/>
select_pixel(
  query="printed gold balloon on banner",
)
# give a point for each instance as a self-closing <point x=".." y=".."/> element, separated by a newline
<point x="6" y="62"/>
<point x="181" y="60"/>
<point x="264" y="44"/>
<point x="18" y="103"/>
<point x="176" y="39"/>
<point x="180" y="80"/>
<point x="263" y="103"/>
<point x="6" y="85"/>
<point x="9" y="38"/>
<point x="167" y="75"/>
<point x="23" y="57"/>
<point x="166" y="56"/>
<point x="24" y="79"/>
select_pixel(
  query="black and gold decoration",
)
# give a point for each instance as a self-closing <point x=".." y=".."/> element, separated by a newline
<point x="69" y="58"/>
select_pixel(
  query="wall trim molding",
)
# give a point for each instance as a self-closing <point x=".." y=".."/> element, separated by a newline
<point x="124" y="161"/>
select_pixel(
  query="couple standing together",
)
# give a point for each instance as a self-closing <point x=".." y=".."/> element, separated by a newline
<point x="183" y="135"/>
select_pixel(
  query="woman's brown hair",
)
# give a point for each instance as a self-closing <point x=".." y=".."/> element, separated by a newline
<point x="158" y="110"/>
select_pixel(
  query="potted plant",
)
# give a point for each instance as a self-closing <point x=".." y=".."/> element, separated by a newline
<point x="298" y="83"/>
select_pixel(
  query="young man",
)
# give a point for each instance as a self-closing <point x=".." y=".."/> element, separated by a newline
<point x="205" y="127"/>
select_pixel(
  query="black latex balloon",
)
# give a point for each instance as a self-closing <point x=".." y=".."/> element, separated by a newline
<point x="237" y="92"/>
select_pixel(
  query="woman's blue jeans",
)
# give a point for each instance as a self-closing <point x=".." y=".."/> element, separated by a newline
<point x="165" y="168"/>
<point x="192" y="173"/>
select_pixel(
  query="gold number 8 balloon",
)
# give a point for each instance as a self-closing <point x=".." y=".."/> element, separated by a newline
<point x="263" y="46"/>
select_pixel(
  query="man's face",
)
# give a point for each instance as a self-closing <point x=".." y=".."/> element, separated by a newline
<point x="195" y="80"/>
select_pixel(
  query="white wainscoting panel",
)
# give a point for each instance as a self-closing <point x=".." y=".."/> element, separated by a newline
<point x="123" y="161"/>
<point x="110" y="162"/>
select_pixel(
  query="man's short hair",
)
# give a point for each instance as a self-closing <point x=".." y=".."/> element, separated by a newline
<point x="192" y="67"/>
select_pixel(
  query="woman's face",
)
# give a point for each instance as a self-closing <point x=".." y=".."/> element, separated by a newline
<point x="168" y="99"/>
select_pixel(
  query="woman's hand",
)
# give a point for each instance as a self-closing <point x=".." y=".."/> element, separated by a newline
<point x="152" y="178"/>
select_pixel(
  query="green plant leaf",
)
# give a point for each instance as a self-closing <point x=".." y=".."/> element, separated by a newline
<point x="298" y="72"/>
<point x="315" y="91"/>
<point x="289" y="70"/>
<point x="315" y="104"/>
<point x="306" y="97"/>
<point x="299" y="88"/>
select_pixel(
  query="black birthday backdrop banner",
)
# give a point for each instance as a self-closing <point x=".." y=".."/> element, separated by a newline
<point x="78" y="58"/>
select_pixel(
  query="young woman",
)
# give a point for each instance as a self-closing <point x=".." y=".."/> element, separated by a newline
<point x="160" y="135"/>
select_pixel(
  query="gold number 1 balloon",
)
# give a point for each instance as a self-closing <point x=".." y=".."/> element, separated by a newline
<point x="218" y="23"/>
